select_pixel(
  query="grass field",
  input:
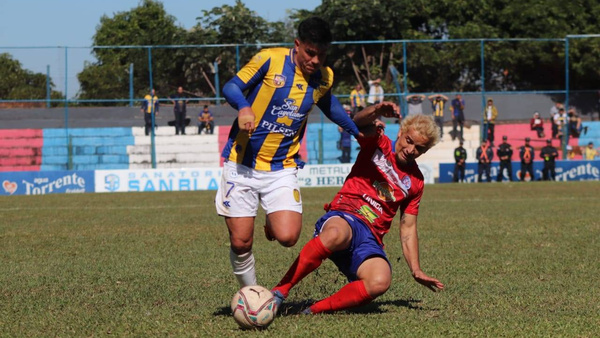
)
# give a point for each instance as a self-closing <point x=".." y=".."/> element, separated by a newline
<point x="517" y="260"/>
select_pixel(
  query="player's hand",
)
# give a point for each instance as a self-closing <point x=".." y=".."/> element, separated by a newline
<point x="429" y="282"/>
<point x="387" y="109"/>
<point x="246" y="120"/>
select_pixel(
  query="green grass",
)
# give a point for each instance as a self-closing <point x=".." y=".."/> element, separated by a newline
<point x="517" y="260"/>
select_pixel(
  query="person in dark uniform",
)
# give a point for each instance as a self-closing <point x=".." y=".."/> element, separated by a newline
<point x="344" y="144"/>
<point x="549" y="155"/>
<point x="460" y="156"/>
<point x="485" y="154"/>
<point x="526" y="155"/>
<point x="180" y="101"/>
<point x="150" y="107"/>
<point x="504" y="153"/>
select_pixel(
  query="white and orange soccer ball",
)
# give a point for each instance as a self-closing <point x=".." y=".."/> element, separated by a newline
<point x="253" y="307"/>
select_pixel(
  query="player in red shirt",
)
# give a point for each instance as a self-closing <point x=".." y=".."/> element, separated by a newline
<point x="384" y="178"/>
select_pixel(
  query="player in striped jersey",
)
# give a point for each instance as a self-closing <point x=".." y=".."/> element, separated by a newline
<point x="281" y="88"/>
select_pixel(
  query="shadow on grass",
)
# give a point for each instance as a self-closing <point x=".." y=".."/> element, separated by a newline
<point x="294" y="308"/>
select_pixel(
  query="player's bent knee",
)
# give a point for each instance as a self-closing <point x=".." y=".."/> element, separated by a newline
<point x="240" y="246"/>
<point x="288" y="240"/>
<point x="377" y="285"/>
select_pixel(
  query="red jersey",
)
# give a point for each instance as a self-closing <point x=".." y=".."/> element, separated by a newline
<point x="377" y="187"/>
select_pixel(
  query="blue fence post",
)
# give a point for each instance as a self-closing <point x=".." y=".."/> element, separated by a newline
<point x="484" y="126"/>
<point x="565" y="139"/>
<point x="69" y="163"/>
<point x="217" y="89"/>
<point x="131" y="84"/>
<point x="237" y="58"/>
<point x="404" y="79"/>
<point x="152" y="112"/>
<point x="48" y="90"/>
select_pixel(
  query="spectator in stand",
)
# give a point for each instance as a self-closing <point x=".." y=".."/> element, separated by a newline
<point x="484" y="155"/>
<point x="589" y="153"/>
<point x="376" y="92"/>
<point x="489" y="120"/>
<point x="537" y="124"/>
<point x="553" y="112"/>
<point x="150" y="106"/>
<point x="415" y="103"/>
<point x="180" y="101"/>
<point x="357" y="99"/>
<point x="560" y="120"/>
<point x="504" y="153"/>
<point x="575" y="126"/>
<point x="526" y="154"/>
<point x="206" y="121"/>
<point x="549" y="155"/>
<point x="460" y="157"/>
<point x="437" y="104"/>
<point x="457" y="108"/>
<point x="344" y="144"/>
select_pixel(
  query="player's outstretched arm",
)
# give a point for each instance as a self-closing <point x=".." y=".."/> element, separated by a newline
<point x="410" y="249"/>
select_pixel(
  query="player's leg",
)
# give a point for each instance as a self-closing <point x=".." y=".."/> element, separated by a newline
<point x="367" y="269"/>
<point x="241" y="258"/>
<point x="280" y="198"/>
<point x="334" y="234"/>
<point x="237" y="201"/>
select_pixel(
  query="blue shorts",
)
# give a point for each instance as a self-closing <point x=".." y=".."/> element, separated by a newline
<point x="362" y="247"/>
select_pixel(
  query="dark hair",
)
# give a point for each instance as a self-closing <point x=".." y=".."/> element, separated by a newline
<point x="205" y="106"/>
<point x="315" y="30"/>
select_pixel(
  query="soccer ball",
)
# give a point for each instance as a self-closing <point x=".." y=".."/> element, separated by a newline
<point x="253" y="307"/>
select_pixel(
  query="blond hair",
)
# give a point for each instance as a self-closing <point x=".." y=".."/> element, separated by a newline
<point x="424" y="125"/>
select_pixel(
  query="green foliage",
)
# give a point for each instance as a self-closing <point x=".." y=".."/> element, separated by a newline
<point x="518" y="260"/>
<point x="22" y="84"/>
<point x="146" y="25"/>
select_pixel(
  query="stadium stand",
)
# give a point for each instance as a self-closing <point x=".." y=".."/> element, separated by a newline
<point x="20" y="149"/>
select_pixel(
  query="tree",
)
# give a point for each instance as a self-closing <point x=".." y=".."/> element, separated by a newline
<point x="228" y="25"/>
<point x="22" y="84"/>
<point x="146" y="25"/>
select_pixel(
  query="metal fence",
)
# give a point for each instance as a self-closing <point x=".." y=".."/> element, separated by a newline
<point x="475" y="68"/>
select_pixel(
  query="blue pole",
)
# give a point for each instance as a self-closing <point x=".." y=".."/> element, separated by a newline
<point x="237" y="58"/>
<point x="47" y="86"/>
<point x="484" y="127"/>
<point x="69" y="150"/>
<point x="131" y="84"/>
<point x="404" y="80"/>
<point x="152" y="112"/>
<point x="217" y="89"/>
<point x="565" y="139"/>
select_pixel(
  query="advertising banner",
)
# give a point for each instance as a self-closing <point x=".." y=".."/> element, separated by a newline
<point x="333" y="175"/>
<point x="158" y="180"/>
<point x="565" y="171"/>
<point x="46" y="182"/>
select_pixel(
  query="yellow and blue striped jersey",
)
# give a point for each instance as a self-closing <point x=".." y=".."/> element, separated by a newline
<point x="149" y="103"/>
<point x="281" y="98"/>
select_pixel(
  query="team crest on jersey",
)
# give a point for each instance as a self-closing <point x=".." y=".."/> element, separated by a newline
<point x="384" y="191"/>
<point x="405" y="183"/>
<point x="279" y="80"/>
<point x="297" y="195"/>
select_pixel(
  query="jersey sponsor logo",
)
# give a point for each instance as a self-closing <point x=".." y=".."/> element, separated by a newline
<point x="373" y="202"/>
<point x="384" y="191"/>
<point x="279" y="80"/>
<point x="367" y="213"/>
<point x="288" y="111"/>
<point x="386" y="167"/>
<point x="278" y="128"/>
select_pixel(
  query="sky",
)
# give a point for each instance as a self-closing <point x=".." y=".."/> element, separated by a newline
<point x="72" y="23"/>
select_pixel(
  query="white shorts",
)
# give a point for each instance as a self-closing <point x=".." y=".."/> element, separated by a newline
<point x="242" y="188"/>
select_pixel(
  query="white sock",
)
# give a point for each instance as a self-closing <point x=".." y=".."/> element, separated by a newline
<point x="243" y="268"/>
